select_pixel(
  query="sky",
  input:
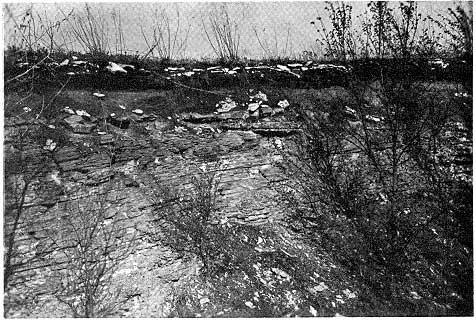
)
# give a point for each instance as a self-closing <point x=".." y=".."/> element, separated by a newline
<point x="276" y="23"/>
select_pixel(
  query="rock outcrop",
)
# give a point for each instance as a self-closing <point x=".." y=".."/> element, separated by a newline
<point x="114" y="164"/>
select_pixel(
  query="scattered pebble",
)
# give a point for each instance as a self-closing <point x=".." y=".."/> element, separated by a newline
<point x="50" y="145"/>
<point x="321" y="287"/>
<point x="349" y="294"/>
<point x="114" y="67"/>
<point x="180" y="129"/>
<point x="252" y="107"/>
<point x="69" y="110"/>
<point x="283" y="104"/>
<point x="82" y="113"/>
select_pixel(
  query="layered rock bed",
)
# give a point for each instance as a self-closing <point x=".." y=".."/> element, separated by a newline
<point x="81" y="156"/>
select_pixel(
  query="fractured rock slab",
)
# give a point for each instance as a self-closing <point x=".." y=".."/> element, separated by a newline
<point x="79" y="125"/>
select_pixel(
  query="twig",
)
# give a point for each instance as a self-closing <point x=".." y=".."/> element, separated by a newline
<point x="27" y="71"/>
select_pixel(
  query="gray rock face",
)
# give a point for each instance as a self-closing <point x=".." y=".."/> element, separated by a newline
<point x="119" y="121"/>
<point x="121" y="167"/>
<point x="79" y="125"/>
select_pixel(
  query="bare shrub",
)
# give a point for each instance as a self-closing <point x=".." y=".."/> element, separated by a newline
<point x="90" y="242"/>
<point x="363" y="190"/>
<point x="35" y="30"/>
<point x="376" y="28"/>
<point x="89" y="31"/>
<point x="22" y="187"/>
<point x="370" y="183"/>
<point x="271" y="46"/>
<point x="223" y="33"/>
<point x="169" y="36"/>
<point x="338" y="40"/>
<point x="30" y="159"/>
<point x="457" y="25"/>
<point x="119" y="41"/>
<point x="189" y="216"/>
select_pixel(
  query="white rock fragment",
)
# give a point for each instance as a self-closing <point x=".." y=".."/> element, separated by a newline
<point x="50" y="145"/>
<point x="438" y="63"/>
<point x="99" y="95"/>
<point x="69" y="110"/>
<point x="252" y="107"/>
<point x="27" y="109"/>
<point x="79" y="63"/>
<point x="70" y="73"/>
<point x="204" y="300"/>
<point x="122" y="107"/>
<point x="349" y="294"/>
<point x="283" y="104"/>
<point x="226" y="105"/>
<point x="350" y="110"/>
<point x="294" y="65"/>
<point x="313" y="311"/>
<point x="55" y="178"/>
<point x="83" y="113"/>
<point x="249" y="304"/>
<point x="114" y="68"/>
<point x="281" y="273"/>
<point x="180" y="129"/>
<point x="321" y="287"/>
<point x="283" y="68"/>
<point x="260" y="96"/>
<point x="64" y="63"/>
<point x="374" y="118"/>
<point x="138" y="111"/>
